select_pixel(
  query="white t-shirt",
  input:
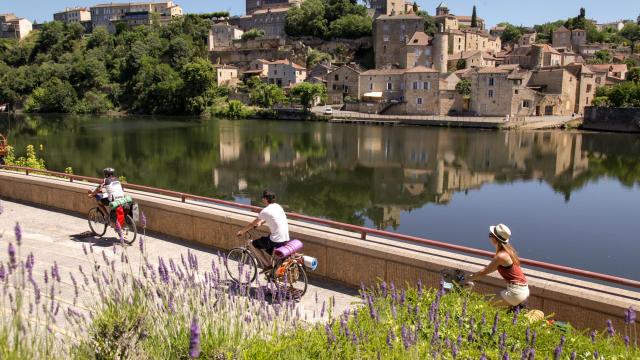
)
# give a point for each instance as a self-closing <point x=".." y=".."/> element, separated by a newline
<point x="276" y="220"/>
<point x="113" y="188"/>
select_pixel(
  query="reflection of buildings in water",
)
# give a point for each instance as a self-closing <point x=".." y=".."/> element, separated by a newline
<point x="230" y="143"/>
<point x="410" y="166"/>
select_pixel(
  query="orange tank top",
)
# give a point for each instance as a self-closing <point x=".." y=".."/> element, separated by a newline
<point x="512" y="274"/>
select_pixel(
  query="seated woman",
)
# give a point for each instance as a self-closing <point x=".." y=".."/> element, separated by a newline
<point x="507" y="263"/>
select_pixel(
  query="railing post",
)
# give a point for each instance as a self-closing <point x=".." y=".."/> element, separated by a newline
<point x="26" y="171"/>
<point x="363" y="235"/>
<point x="183" y="198"/>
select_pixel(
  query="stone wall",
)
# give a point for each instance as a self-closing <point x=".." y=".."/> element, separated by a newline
<point x="612" y="119"/>
<point x="343" y="256"/>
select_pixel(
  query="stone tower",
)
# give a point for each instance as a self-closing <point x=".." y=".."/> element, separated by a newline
<point x="441" y="50"/>
<point x="442" y="9"/>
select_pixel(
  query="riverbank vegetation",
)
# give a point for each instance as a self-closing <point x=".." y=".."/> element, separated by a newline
<point x="181" y="308"/>
<point x="145" y="69"/>
<point x="625" y="94"/>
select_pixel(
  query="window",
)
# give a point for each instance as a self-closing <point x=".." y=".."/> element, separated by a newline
<point x="385" y="38"/>
<point x="419" y="101"/>
<point x="490" y="93"/>
<point x="370" y="86"/>
<point x="492" y="81"/>
<point x="415" y="85"/>
<point x="589" y="88"/>
<point x="336" y="78"/>
<point x="526" y="103"/>
<point x="335" y="87"/>
<point x="516" y="91"/>
<point x="389" y="86"/>
<point x="426" y="85"/>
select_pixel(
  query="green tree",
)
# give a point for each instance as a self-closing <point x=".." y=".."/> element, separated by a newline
<point x="463" y="87"/>
<point x="351" y="27"/>
<point x="315" y="57"/>
<point x="634" y="75"/>
<point x="307" y="20"/>
<point x="461" y="64"/>
<point x="511" y="33"/>
<point x="252" y="34"/>
<point x="198" y="85"/>
<point x="474" y="18"/>
<point x="266" y="95"/>
<point x="631" y="32"/>
<point x="415" y="7"/>
<point x="307" y="94"/>
<point x="55" y="96"/>
<point x="602" y="57"/>
<point x="430" y="26"/>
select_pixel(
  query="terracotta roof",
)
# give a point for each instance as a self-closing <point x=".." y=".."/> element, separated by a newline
<point x="419" y="38"/>
<point x="468" y="18"/>
<point x="420" y="69"/>
<point x="384" y="72"/>
<point x="288" y="62"/>
<point x="609" y="67"/>
<point x="490" y="70"/>
<point x="547" y="48"/>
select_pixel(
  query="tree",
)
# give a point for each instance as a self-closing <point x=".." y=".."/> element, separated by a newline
<point x="474" y="18"/>
<point x="461" y="64"/>
<point x="252" y="34"/>
<point x="198" y="89"/>
<point x="601" y="57"/>
<point x="307" y="94"/>
<point x="634" y="75"/>
<point x="430" y="26"/>
<point x="631" y="32"/>
<point x="415" y="7"/>
<point x="266" y="95"/>
<point x="307" y="20"/>
<point x="316" y="56"/>
<point x="463" y="87"/>
<point x="511" y="34"/>
<point x="55" y="96"/>
<point x="351" y="27"/>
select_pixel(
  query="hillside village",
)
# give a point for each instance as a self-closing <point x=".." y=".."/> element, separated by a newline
<point x="393" y="57"/>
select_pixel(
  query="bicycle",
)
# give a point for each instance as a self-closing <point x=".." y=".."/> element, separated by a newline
<point x="288" y="272"/>
<point x="99" y="221"/>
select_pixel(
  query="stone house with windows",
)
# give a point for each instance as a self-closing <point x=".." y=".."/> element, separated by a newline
<point x="472" y="59"/>
<point x="528" y="39"/>
<point x="614" y="71"/>
<point x="453" y="22"/>
<point x="73" y="15"/>
<point x="319" y="72"/>
<point x="227" y="75"/>
<point x="391" y="33"/>
<point x="421" y="91"/>
<point x="270" y="20"/>
<point x="133" y="13"/>
<point x="534" y="56"/>
<point x="285" y="73"/>
<point x="381" y="85"/>
<point x="14" y="27"/>
<point x="473" y="39"/>
<point x="389" y="7"/>
<point x="569" y="39"/>
<point x="222" y="35"/>
<point x="257" y="67"/>
<point x="344" y="82"/>
<point x="418" y="51"/>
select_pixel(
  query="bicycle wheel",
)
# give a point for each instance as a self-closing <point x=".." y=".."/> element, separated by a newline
<point x="129" y="231"/>
<point x="97" y="221"/>
<point x="241" y="266"/>
<point x="294" y="282"/>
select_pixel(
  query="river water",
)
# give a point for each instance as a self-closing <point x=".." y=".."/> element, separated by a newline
<point x="571" y="198"/>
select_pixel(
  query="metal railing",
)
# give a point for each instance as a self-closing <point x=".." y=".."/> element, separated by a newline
<point x="363" y="231"/>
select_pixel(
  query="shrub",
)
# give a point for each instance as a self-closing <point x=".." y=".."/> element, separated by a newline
<point x="252" y="34"/>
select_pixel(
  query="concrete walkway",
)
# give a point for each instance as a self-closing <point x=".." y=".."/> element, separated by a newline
<point x="55" y="236"/>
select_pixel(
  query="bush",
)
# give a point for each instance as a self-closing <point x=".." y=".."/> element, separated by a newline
<point x="233" y="109"/>
<point x="94" y="103"/>
<point x="30" y="159"/>
<point x="55" y="96"/>
<point x="252" y="34"/>
<point x="351" y="27"/>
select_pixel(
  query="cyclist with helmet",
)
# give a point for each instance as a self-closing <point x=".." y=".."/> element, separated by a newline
<point x="109" y="190"/>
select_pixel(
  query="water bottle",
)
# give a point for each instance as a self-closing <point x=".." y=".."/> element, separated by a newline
<point x="310" y="263"/>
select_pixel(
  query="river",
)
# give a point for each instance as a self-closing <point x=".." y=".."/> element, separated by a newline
<point x="570" y="197"/>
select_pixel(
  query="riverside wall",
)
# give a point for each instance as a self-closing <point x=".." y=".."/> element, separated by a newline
<point x="343" y="256"/>
<point x="612" y="119"/>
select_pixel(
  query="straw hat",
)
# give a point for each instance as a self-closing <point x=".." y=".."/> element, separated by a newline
<point x="501" y="232"/>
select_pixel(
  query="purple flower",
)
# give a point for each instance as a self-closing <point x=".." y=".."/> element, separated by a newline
<point x="143" y="220"/>
<point x="2" y="272"/>
<point x="573" y="355"/>
<point x="383" y="289"/>
<point x="454" y="351"/>
<point x="324" y="303"/>
<point x="194" y="341"/>
<point x="55" y="272"/>
<point x="527" y="335"/>
<point x="596" y="354"/>
<point x="629" y="316"/>
<point x="593" y="336"/>
<point x="557" y="353"/>
<point x="406" y="341"/>
<point x="496" y="318"/>
<point x="459" y="341"/>
<point x="331" y="337"/>
<point x="390" y="338"/>
<point x="162" y="271"/>
<point x="506" y="356"/>
<point x="483" y="357"/>
<point x="515" y="316"/>
<point x="533" y="339"/>
<point x="419" y="287"/>
<point x="18" y="233"/>
<point x="626" y="340"/>
<point x="532" y="353"/>
<point x="610" y="328"/>
<point x="141" y="244"/>
<point x="12" y="256"/>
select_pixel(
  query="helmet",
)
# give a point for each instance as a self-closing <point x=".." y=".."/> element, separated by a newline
<point x="108" y="172"/>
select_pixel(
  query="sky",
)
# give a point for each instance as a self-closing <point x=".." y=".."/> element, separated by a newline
<point x="517" y="12"/>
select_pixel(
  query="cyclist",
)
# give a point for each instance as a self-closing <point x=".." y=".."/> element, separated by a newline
<point x="109" y="190"/>
<point x="276" y="220"/>
<point x="507" y="263"/>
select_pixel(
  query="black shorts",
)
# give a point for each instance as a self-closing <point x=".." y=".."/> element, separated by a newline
<point x="265" y="243"/>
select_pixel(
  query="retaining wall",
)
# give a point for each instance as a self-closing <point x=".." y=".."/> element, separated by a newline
<point x="612" y="119"/>
<point x="343" y="256"/>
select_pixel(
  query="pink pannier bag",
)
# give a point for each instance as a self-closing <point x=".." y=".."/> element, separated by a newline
<point x="291" y="248"/>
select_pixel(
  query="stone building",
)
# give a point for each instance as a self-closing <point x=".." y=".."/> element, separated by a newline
<point x="609" y="74"/>
<point x="14" y="27"/>
<point x="528" y="39"/>
<point x="454" y="22"/>
<point x="534" y="56"/>
<point x="254" y="5"/>
<point x="344" y="82"/>
<point x="381" y="85"/>
<point x="73" y="15"/>
<point x="569" y="39"/>
<point x="391" y="7"/>
<point x="227" y="75"/>
<point x="390" y="36"/>
<point x="418" y="51"/>
<point x="472" y="59"/>
<point x="258" y="67"/>
<point x="471" y="39"/>
<point x="286" y="73"/>
<point x="421" y="91"/>
<point x="270" y="20"/>
<point x="140" y="13"/>
<point x="222" y="35"/>
<point x="320" y="72"/>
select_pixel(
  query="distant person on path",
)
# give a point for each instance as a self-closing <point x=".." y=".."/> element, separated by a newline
<point x="507" y="263"/>
<point x="276" y="220"/>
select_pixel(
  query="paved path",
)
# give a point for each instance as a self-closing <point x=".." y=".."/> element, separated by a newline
<point x="55" y="236"/>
